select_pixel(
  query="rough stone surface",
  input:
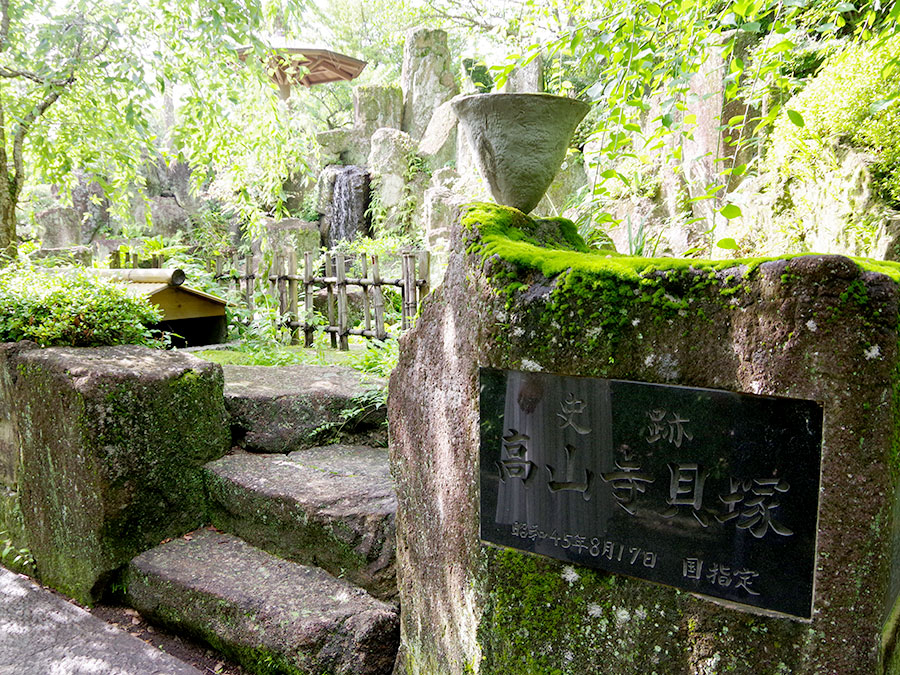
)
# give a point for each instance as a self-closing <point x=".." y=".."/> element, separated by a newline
<point x="438" y="144"/>
<point x="264" y="612"/>
<point x="388" y="162"/>
<point x="41" y="633"/>
<point x="835" y="211"/>
<point x="112" y="442"/>
<point x="167" y="216"/>
<point x="78" y="255"/>
<point x="528" y="79"/>
<point x="91" y="206"/>
<point x="281" y="409"/>
<point x="293" y="234"/>
<point x="570" y="178"/>
<point x="332" y="507"/>
<point x="815" y="327"/>
<point x="377" y="106"/>
<point x="60" y="226"/>
<point x="427" y="78"/>
<point x="519" y="141"/>
<point x="374" y="107"/>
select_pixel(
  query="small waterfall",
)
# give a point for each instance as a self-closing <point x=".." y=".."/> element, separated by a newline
<point x="347" y="217"/>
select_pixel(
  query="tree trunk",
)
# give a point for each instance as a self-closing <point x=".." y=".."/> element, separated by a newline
<point x="8" y="240"/>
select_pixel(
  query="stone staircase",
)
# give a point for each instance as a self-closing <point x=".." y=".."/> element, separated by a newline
<point x="296" y="573"/>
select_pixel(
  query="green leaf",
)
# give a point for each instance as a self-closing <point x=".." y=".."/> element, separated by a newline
<point x="727" y="243"/>
<point x="751" y="27"/>
<point x="796" y="118"/>
<point x="731" y="211"/>
<point x="845" y="7"/>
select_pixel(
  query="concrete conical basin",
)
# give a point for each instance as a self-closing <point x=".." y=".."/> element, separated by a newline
<point x="519" y="141"/>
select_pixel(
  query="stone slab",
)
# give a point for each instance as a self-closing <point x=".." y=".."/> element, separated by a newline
<point x="41" y="633"/>
<point x="333" y="507"/>
<point x="279" y="410"/>
<point x="112" y="442"/>
<point x="261" y="610"/>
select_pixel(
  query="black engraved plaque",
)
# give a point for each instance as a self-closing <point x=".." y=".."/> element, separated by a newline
<point x="709" y="491"/>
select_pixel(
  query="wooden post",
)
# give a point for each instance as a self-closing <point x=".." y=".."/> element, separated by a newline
<point x="367" y="304"/>
<point x="378" y="300"/>
<point x="343" y="311"/>
<point x="115" y="259"/>
<point x="424" y="275"/>
<point x="236" y="272"/>
<point x="157" y="260"/>
<point x="329" y="300"/>
<point x="307" y="299"/>
<point x="408" y="312"/>
<point x="292" y="297"/>
<point x="220" y="263"/>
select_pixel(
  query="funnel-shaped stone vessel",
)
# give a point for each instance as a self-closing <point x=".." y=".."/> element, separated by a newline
<point x="519" y="141"/>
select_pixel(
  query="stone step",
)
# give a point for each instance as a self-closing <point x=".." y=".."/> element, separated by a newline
<point x="287" y="408"/>
<point x="332" y="506"/>
<point x="269" y="614"/>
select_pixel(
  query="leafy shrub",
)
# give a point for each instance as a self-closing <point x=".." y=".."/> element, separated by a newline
<point x="847" y="102"/>
<point x="72" y="308"/>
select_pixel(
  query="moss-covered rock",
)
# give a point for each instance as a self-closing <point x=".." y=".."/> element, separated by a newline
<point x="112" y="442"/>
<point x="526" y="295"/>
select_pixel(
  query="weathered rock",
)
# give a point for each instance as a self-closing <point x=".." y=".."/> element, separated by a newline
<point x="813" y="327"/>
<point x="355" y="304"/>
<point x="427" y="78"/>
<point x="377" y="106"/>
<point x="834" y="211"/>
<point x="285" y="409"/>
<point x="442" y="205"/>
<point x="112" y="442"/>
<point x="60" y="226"/>
<point x="268" y="614"/>
<point x="79" y="255"/>
<point x="42" y="633"/>
<point x="332" y="507"/>
<point x="519" y="141"/>
<point x="374" y="107"/>
<point x="91" y="206"/>
<point x="10" y="509"/>
<point x="167" y="216"/>
<point x="527" y="79"/>
<point x="558" y="200"/>
<point x="394" y="187"/>
<point x="293" y="234"/>
<point x="438" y="144"/>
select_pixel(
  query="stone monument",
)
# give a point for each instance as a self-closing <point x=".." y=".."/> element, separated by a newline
<point x="618" y="465"/>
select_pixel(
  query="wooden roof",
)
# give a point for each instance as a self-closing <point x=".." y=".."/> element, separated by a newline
<point x="307" y="66"/>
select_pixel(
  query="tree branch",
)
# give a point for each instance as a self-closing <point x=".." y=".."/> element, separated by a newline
<point x="38" y="109"/>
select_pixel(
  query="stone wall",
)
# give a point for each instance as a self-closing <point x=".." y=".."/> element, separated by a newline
<point x="520" y="295"/>
<point x="101" y="453"/>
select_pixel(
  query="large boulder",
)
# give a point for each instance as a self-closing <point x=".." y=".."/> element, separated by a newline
<point x="427" y="78"/>
<point x="110" y="444"/>
<point x="394" y="188"/>
<point x="374" y="107"/>
<point x="438" y="144"/>
<point x="525" y="295"/>
<point x="61" y="227"/>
